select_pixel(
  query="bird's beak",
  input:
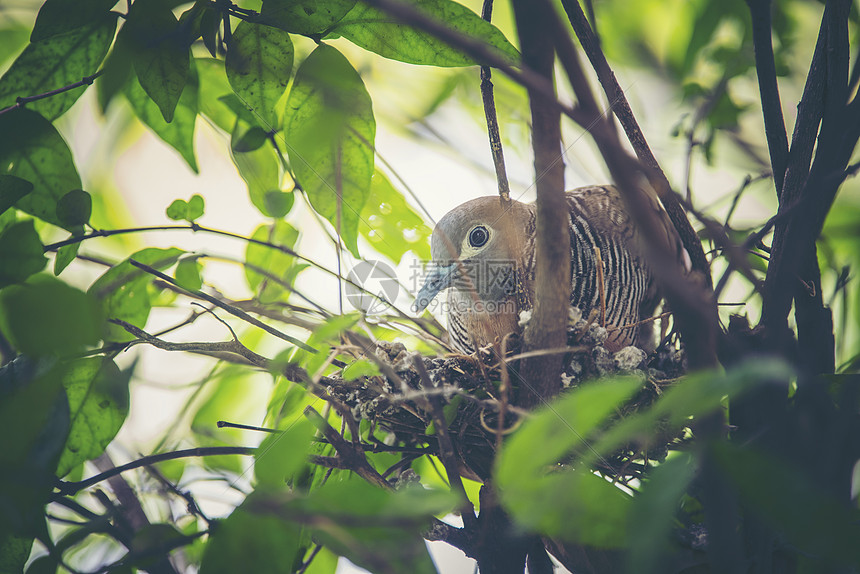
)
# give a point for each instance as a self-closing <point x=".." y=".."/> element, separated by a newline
<point x="437" y="279"/>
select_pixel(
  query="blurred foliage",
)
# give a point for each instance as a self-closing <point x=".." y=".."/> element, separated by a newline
<point x="295" y="92"/>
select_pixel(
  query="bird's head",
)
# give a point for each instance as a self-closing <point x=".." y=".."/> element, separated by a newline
<point x="474" y="250"/>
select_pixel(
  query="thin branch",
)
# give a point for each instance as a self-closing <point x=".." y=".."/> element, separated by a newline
<point x="24" y="100"/>
<point x="233" y="346"/>
<point x="229" y="308"/>
<point x="493" y="121"/>
<point x="70" y="488"/>
<point x="283" y="249"/>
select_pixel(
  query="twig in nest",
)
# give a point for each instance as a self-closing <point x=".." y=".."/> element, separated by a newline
<point x="601" y="287"/>
<point x="446" y="447"/>
<point x="642" y="322"/>
<point x="347" y="453"/>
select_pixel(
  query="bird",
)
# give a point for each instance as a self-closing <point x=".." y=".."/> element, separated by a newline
<point x="485" y="256"/>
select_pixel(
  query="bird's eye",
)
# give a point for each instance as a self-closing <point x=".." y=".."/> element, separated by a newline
<point x="478" y="236"/>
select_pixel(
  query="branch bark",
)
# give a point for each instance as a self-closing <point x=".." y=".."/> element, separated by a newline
<point x="547" y="328"/>
<point x="774" y="125"/>
<point x="793" y="269"/>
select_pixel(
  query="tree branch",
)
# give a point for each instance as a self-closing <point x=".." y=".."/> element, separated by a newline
<point x="794" y="239"/>
<point x="70" y="488"/>
<point x="547" y="328"/>
<point x="22" y="101"/>
<point x="774" y="125"/>
<point x="493" y="122"/>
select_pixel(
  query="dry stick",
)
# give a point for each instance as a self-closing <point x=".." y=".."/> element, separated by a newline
<point x="438" y="530"/>
<point x="736" y="254"/>
<point x="642" y="322"/>
<point x="446" y="446"/>
<point x="504" y="390"/>
<point x="233" y="347"/>
<point x="348" y="454"/>
<point x="591" y="45"/>
<point x="493" y="122"/>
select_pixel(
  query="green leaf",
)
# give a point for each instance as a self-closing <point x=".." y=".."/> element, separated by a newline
<point x="360" y="368"/>
<point x="122" y="290"/>
<point x="210" y="22"/>
<point x="46" y="317"/>
<point x="65" y="255"/>
<point x="377" y="529"/>
<point x="13" y="38"/>
<point x="384" y="34"/>
<point x="188" y="274"/>
<point x="34" y="414"/>
<point x="117" y="69"/>
<point x="56" y="62"/>
<point x="160" y="55"/>
<point x="98" y="404"/>
<point x="694" y="396"/>
<point x="305" y="17"/>
<point x="14" y="553"/>
<point x="280" y="456"/>
<point x="330" y="130"/>
<point x="179" y="132"/>
<point x="36" y="152"/>
<point x="11" y="190"/>
<point x="74" y="208"/>
<point x="45" y="564"/>
<point x="21" y="253"/>
<point x="181" y="210"/>
<point x="152" y="543"/>
<point x="269" y="259"/>
<point x="390" y="224"/>
<point x="196" y="207"/>
<point x="177" y="210"/>
<point x="214" y="78"/>
<point x="657" y="505"/>
<point x="251" y="140"/>
<point x="560" y="429"/>
<point x="574" y="505"/>
<point x="569" y="503"/>
<point x="57" y="17"/>
<point x="259" y="62"/>
<point x="259" y="169"/>
<point x="249" y="541"/>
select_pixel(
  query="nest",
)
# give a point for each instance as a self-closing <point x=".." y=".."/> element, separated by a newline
<point x="399" y="403"/>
